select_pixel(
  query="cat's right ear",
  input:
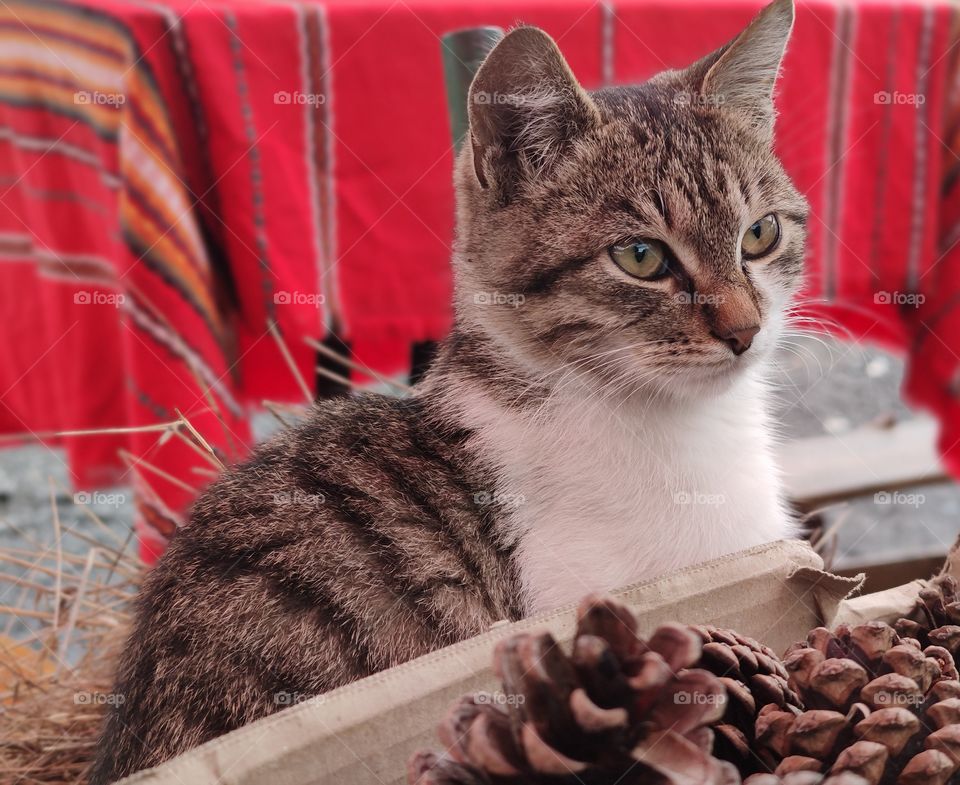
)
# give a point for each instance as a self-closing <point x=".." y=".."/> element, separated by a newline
<point x="525" y="108"/>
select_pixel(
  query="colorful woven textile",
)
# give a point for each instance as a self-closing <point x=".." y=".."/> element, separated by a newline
<point x="183" y="182"/>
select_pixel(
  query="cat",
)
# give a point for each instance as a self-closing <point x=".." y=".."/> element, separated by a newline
<point x="597" y="416"/>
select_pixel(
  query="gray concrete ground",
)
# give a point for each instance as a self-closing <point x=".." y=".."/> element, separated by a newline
<point x="825" y="386"/>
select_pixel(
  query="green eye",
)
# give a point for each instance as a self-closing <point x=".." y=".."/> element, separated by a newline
<point x="644" y="259"/>
<point x="761" y="238"/>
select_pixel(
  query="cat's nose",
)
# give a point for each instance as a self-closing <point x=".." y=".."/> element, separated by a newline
<point x="739" y="339"/>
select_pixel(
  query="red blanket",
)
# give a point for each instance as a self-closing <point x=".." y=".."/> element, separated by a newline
<point x="187" y="186"/>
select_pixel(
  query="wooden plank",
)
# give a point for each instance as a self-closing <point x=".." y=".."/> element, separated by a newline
<point x="870" y="459"/>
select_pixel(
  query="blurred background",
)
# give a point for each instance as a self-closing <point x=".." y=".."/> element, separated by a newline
<point x="215" y="211"/>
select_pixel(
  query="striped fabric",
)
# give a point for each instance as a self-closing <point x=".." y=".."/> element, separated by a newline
<point x="148" y="243"/>
<point x="176" y="177"/>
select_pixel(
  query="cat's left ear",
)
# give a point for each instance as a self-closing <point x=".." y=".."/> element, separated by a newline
<point x="743" y="75"/>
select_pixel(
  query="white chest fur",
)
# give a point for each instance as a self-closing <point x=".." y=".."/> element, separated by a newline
<point x="600" y="498"/>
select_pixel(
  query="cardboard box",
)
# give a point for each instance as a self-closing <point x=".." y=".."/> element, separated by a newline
<point x="363" y="733"/>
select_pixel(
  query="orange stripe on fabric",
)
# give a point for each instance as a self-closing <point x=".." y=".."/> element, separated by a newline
<point x="50" y="45"/>
<point x="53" y="70"/>
<point x="174" y="261"/>
<point x="27" y="89"/>
<point x="68" y="22"/>
<point x="169" y="217"/>
<point x="150" y="104"/>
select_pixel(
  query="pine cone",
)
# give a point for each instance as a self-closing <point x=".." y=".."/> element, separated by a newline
<point x="806" y="778"/>
<point x="935" y="619"/>
<point x="431" y="767"/>
<point x="876" y="705"/>
<point x="619" y="709"/>
<point x="754" y="677"/>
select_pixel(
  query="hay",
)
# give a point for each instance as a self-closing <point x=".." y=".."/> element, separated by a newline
<point x="58" y="646"/>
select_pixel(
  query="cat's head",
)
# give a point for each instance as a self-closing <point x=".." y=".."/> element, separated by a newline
<point x="642" y="235"/>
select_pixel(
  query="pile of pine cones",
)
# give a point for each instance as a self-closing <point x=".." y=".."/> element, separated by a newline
<point x="868" y="705"/>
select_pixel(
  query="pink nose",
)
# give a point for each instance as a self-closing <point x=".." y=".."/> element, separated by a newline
<point x="739" y="339"/>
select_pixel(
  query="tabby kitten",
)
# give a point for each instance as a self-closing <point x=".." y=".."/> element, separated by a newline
<point x="597" y="416"/>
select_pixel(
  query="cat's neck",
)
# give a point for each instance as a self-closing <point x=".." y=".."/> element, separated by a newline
<point x="598" y="492"/>
<point x="477" y="381"/>
<point x="574" y="407"/>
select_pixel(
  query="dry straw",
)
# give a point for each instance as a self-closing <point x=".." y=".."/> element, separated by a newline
<point x="64" y="619"/>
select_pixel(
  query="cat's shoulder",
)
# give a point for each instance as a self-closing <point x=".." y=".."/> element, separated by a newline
<point x="340" y="449"/>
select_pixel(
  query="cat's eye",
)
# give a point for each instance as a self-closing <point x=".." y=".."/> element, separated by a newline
<point x="645" y="259"/>
<point x="761" y="238"/>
